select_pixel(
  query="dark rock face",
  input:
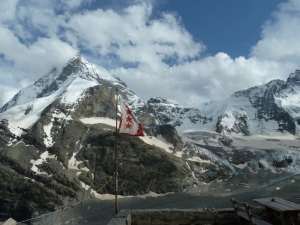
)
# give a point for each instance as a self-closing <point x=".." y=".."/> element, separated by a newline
<point x="213" y="172"/>
<point x="5" y="134"/>
<point x="98" y="103"/>
<point x="240" y="126"/>
<point x="226" y="141"/>
<point x="137" y="159"/>
<point x="269" y="110"/>
<point x="20" y="197"/>
<point x="293" y="79"/>
<point x="83" y="155"/>
<point x="23" y="192"/>
<point x="48" y="85"/>
<point x="282" y="164"/>
<point x="142" y="168"/>
<point x="48" y="90"/>
<point x="169" y="133"/>
<point x="213" y="166"/>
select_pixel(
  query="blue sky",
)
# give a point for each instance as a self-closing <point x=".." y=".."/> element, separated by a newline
<point x="231" y="26"/>
<point x="189" y="52"/>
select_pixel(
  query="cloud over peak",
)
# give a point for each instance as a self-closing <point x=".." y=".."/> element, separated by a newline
<point x="152" y="52"/>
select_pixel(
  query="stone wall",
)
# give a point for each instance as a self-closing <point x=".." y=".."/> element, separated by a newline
<point x="223" y="216"/>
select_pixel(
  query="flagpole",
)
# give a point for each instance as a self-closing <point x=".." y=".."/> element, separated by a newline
<point x="116" y="155"/>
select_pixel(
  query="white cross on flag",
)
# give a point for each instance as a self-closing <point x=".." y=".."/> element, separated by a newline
<point x="129" y="124"/>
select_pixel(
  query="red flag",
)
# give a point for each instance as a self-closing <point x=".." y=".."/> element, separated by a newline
<point x="129" y="125"/>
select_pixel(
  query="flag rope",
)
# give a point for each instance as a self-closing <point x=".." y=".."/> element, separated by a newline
<point x="70" y="205"/>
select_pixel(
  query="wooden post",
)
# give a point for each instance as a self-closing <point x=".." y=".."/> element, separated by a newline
<point x="116" y="155"/>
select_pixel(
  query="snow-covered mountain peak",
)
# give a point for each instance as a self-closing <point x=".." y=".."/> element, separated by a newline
<point x="60" y="131"/>
<point x="266" y="108"/>
<point x="80" y="67"/>
<point x="77" y="67"/>
<point x="260" y="90"/>
<point x="77" y="81"/>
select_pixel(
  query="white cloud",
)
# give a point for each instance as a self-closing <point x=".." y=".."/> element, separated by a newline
<point x="10" y="83"/>
<point x="132" y="36"/>
<point x="7" y="93"/>
<point x="162" y="56"/>
<point x="38" y="58"/>
<point x="196" y="82"/>
<point x="211" y="78"/>
<point x="280" y="35"/>
<point x="7" y="10"/>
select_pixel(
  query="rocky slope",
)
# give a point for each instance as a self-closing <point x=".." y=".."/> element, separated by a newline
<point x="57" y="139"/>
<point x="169" y="113"/>
<point x="47" y="145"/>
<point x="261" y="110"/>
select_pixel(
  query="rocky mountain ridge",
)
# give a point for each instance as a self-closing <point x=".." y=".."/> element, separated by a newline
<point x="47" y="145"/>
<point x="261" y="110"/>
<point x="57" y="138"/>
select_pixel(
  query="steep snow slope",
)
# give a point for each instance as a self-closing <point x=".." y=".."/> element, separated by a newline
<point x="70" y="85"/>
<point x="267" y="109"/>
<point x="261" y="110"/>
<point x="67" y="119"/>
<point x="59" y="80"/>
